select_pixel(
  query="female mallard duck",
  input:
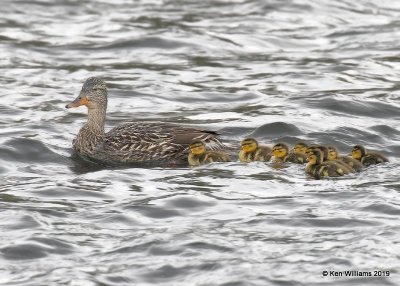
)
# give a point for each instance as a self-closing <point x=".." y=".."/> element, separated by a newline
<point x="367" y="158"/>
<point x="333" y="154"/>
<point x="198" y="155"/>
<point x="325" y="157"/>
<point x="300" y="148"/>
<point x="131" y="142"/>
<point x="281" y="154"/>
<point x="317" y="168"/>
<point x="252" y="151"/>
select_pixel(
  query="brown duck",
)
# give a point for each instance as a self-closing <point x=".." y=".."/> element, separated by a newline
<point x="132" y="142"/>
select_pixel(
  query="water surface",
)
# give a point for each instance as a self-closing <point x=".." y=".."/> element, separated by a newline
<point x="321" y="71"/>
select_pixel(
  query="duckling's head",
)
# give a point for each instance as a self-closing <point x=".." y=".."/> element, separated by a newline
<point x="358" y="152"/>
<point x="300" y="147"/>
<point x="249" y="145"/>
<point x="332" y="153"/>
<point x="323" y="149"/>
<point x="280" y="150"/>
<point x="93" y="95"/>
<point x="314" y="157"/>
<point x="197" y="148"/>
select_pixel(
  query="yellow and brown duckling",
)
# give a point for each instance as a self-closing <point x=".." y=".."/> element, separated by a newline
<point x="300" y="147"/>
<point x="198" y="155"/>
<point x="325" y="157"/>
<point x="317" y="168"/>
<point x="367" y="158"/>
<point x="251" y="151"/>
<point x="333" y="154"/>
<point x="323" y="149"/>
<point x="281" y="154"/>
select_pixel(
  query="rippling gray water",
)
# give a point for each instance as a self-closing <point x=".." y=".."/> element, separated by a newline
<point x="321" y="71"/>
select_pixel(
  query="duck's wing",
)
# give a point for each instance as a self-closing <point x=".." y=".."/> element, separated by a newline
<point x="131" y="147"/>
<point x="162" y="131"/>
<point x="142" y="141"/>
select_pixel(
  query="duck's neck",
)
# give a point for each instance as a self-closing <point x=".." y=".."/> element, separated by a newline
<point x="92" y="134"/>
<point x="95" y="122"/>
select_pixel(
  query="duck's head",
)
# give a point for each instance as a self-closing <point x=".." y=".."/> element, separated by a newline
<point x="358" y="152"/>
<point x="249" y="145"/>
<point x="93" y="94"/>
<point x="314" y="157"/>
<point x="197" y="148"/>
<point x="280" y="150"/>
<point x="332" y="153"/>
<point x="300" y="147"/>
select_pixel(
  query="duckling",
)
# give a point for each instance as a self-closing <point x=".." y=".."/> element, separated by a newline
<point x="281" y="154"/>
<point x="318" y="169"/>
<point x="198" y="155"/>
<point x="333" y="154"/>
<point x="252" y="151"/>
<point x="367" y="158"/>
<point x="314" y="158"/>
<point x="324" y="150"/>
<point x="300" y="147"/>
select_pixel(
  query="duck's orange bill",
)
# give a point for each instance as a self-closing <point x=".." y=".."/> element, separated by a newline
<point x="77" y="102"/>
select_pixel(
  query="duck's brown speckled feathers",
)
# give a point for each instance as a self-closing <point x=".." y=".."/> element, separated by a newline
<point x="149" y="141"/>
<point x="132" y="142"/>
